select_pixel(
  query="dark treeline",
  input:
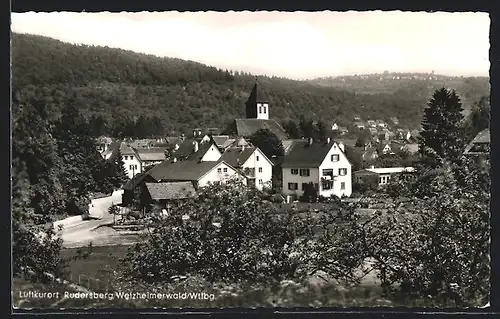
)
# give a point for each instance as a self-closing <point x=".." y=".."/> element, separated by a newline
<point x="120" y="86"/>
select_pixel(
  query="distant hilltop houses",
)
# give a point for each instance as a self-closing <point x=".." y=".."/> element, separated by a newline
<point x="168" y="169"/>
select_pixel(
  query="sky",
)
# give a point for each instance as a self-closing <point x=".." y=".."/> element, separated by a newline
<point x="296" y="45"/>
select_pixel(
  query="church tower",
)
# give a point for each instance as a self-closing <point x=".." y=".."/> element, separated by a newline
<point x="257" y="105"/>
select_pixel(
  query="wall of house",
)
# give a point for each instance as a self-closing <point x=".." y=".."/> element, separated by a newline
<point x="215" y="176"/>
<point x="256" y="160"/>
<point x="288" y="177"/>
<point x="213" y="154"/>
<point x="343" y="162"/>
<point x="129" y="160"/>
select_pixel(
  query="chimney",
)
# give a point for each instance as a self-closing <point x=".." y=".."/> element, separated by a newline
<point x="195" y="146"/>
<point x="242" y="148"/>
<point x="310" y="141"/>
<point x="175" y="160"/>
<point x="372" y="167"/>
<point x="328" y="140"/>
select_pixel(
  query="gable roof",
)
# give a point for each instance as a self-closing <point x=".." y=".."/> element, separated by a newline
<point x="476" y="146"/>
<point x="304" y="155"/>
<point x="152" y="154"/>
<point x="170" y="190"/>
<point x="235" y="156"/>
<point x="482" y="137"/>
<point x="186" y="149"/>
<point x="136" y="180"/>
<point x="187" y="170"/>
<point x="246" y="127"/>
<point x="219" y="140"/>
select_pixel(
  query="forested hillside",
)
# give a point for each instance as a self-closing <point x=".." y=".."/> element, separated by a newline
<point x="470" y="89"/>
<point x="119" y="84"/>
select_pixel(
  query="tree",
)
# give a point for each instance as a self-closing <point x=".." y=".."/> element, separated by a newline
<point x="292" y="129"/>
<point x="310" y="194"/>
<point x="120" y="174"/>
<point x="35" y="157"/>
<point x="306" y="127"/>
<point x="479" y="118"/>
<point x="227" y="233"/>
<point x="321" y="131"/>
<point x="268" y="143"/>
<point x="441" y="126"/>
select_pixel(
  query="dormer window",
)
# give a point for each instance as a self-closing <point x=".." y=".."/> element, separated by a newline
<point x="265" y="109"/>
<point x="260" y="109"/>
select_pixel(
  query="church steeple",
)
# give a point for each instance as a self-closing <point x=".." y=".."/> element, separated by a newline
<point x="257" y="105"/>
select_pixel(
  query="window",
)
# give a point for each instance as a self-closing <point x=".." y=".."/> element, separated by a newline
<point x="260" y="109"/>
<point x="131" y="157"/>
<point x="295" y="171"/>
<point x="305" y="172"/>
<point x="265" y="108"/>
<point x="334" y="157"/>
<point x="125" y="157"/>
<point x="342" y="185"/>
<point x="219" y="170"/>
<point x="260" y="169"/>
<point x="326" y="185"/>
<point x="257" y="158"/>
<point x="260" y="182"/>
<point x="342" y="171"/>
<point x="327" y="172"/>
<point x="225" y="169"/>
<point x="304" y="186"/>
<point x="293" y="186"/>
<point x="133" y="167"/>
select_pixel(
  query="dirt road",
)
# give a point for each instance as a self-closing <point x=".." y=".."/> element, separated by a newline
<point x="83" y="232"/>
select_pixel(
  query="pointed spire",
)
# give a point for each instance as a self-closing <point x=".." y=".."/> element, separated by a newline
<point x="257" y="95"/>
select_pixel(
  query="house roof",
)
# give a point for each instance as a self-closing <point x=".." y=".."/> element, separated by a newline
<point x="287" y="145"/>
<point x="173" y="139"/>
<point x="390" y="170"/>
<point x="236" y="156"/>
<point x="482" y="138"/>
<point x="187" y="170"/>
<point x="220" y="139"/>
<point x="170" y="190"/>
<point x="246" y="127"/>
<point x="152" y="154"/>
<point x="123" y="147"/>
<point x="304" y="155"/>
<point x="142" y="143"/>
<point x="369" y="152"/>
<point x="186" y="148"/>
<point x="359" y="124"/>
<point x="134" y="181"/>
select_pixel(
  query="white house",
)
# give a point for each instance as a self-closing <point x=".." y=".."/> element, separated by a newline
<point x="131" y="160"/>
<point x="383" y="175"/>
<point x="201" y="173"/>
<point x="323" y="164"/>
<point x="335" y="127"/>
<point x="252" y="163"/>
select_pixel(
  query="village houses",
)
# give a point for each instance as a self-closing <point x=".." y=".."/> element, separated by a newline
<point x="252" y="163"/>
<point x="383" y="175"/>
<point x="323" y="164"/>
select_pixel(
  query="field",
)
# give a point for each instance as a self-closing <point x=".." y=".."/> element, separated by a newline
<point x="96" y="271"/>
